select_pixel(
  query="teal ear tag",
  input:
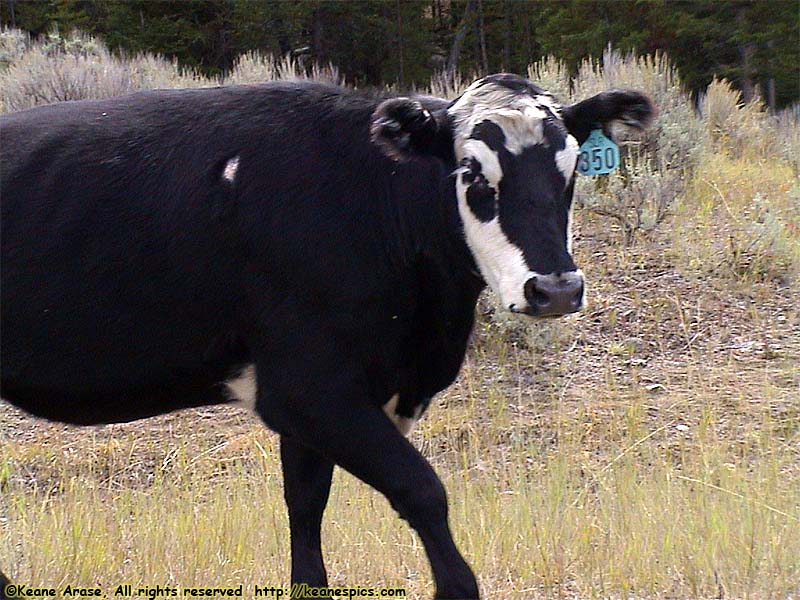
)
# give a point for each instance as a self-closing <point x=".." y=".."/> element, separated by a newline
<point x="598" y="154"/>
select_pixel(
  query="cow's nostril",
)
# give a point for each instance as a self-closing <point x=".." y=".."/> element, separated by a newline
<point x="539" y="298"/>
<point x="535" y="295"/>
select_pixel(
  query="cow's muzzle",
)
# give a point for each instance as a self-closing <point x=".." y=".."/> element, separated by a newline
<point x="555" y="294"/>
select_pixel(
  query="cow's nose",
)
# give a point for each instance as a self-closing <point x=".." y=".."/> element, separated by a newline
<point x="554" y="295"/>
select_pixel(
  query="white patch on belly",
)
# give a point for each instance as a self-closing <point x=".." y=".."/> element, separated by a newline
<point x="242" y="389"/>
<point x="404" y="424"/>
<point x="229" y="173"/>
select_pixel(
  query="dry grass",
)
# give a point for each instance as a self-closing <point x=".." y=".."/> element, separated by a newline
<point x="649" y="447"/>
<point x="743" y="216"/>
<point x="595" y="489"/>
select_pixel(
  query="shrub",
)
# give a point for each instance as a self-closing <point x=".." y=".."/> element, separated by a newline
<point x="444" y="86"/>
<point x="732" y="125"/>
<point x="553" y="75"/>
<point x="80" y="67"/>
<point x="254" y="67"/>
<point x="746" y="129"/>
<point x="741" y="219"/>
<point x="641" y="195"/>
<point x="787" y="127"/>
<point x="13" y="44"/>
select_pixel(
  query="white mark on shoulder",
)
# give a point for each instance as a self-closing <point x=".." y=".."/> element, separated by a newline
<point x="404" y="424"/>
<point x="242" y="388"/>
<point x="229" y="172"/>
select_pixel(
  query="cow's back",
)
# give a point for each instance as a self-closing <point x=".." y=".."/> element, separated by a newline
<point x="119" y="278"/>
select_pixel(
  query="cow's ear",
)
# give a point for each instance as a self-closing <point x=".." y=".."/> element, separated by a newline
<point x="402" y="128"/>
<point x="624" y="106"/>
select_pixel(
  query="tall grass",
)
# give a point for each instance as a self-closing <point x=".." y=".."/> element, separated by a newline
<point x="646" y="448"/>
<point x="79" y="67"/>
<point x="581" y="500"/>
<point x="254" y="67"/>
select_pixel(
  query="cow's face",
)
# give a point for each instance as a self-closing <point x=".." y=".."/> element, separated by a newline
<point x="516" y="151"/>
<point x="514" y="191"/>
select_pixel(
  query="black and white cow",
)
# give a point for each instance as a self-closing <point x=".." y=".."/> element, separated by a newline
<point x="312" y="251"/>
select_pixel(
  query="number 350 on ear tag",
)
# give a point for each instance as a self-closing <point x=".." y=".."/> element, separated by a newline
<point x="598" y="154"/>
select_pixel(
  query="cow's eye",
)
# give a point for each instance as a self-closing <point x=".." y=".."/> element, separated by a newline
<point x="481" y="197"/>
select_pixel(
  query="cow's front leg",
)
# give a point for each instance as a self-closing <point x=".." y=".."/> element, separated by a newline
<point x="306" y="484"/>
<point x="3" y="583"/>
<point x="338" y="422"/>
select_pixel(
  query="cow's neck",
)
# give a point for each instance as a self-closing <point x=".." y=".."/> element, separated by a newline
<point x="446" y="241"/>
<point x="448" y="287"/>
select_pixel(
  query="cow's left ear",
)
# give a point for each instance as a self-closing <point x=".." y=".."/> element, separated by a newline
<point x="625" y="106"/>
<point x="403" y="128"/>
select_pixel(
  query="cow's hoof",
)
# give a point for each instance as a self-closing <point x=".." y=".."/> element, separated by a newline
<point x="468" y="593"/>
<point x="3" y="583"/>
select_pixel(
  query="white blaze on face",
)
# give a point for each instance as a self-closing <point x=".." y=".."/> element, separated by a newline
<point x="569" y="231"/>
<point x="500" y="262"/>
<point x="490" y="162"/>
<point x="520" y="116"/>
<point x="566" y="160"/>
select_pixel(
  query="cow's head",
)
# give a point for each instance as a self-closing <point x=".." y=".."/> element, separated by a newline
<point x="516" y="150"/>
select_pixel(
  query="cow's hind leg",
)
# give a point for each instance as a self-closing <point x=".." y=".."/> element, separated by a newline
<point x="306" y="484"/>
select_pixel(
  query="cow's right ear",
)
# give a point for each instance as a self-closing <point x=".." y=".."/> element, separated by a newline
<point x="403" y="128"/>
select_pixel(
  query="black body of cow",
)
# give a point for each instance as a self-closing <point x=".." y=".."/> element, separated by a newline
<point x="136" y="278"/>
<point x="155" y="245"/>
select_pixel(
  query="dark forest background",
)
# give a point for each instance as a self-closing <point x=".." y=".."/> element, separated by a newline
<point x="755" y="44"/>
